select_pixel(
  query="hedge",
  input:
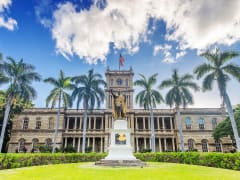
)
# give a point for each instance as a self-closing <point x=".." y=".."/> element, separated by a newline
<point x="18" y="160"/>
<point x="219" y="160"/>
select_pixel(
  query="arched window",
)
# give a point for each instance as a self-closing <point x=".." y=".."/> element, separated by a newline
<point x="25" y="123"/>
<point x="188" y="123"/>
<point x="35" y="144"/>
<point x="218" y="146"/>
<point x="201" y="123"/>
<point x="48" y="142"/>
<point x="51" y="123"/>
<point x="214" y="123"/>
<point x="190" y="144"/>
<point x="21" y="145"/>
<point x="204" y="145"/>
<point x="126" y="82"/>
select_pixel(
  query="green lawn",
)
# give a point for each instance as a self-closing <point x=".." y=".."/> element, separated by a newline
<point x="87" y="171"/>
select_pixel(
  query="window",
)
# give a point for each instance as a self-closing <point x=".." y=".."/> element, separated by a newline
<point x="21" y="145"/>
<point x="190" y="144"/>
<point x="25" y="123"/>
<point x="34" y="144"/>
<point x="51" y="123"/>
<point x="201" y="123"/>
<point x="214" y="123"/>
<point x="119" y="81"/>
<point x="38" y="124"/>
<point x="204" y="145"/>
<point x="218" y="146"/>
<point x="188" y="123"/>
<point x="126" y="82"/>
<point x="48" y="142"/>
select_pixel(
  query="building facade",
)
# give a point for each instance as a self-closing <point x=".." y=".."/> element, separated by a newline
<point x="35" y="127"/>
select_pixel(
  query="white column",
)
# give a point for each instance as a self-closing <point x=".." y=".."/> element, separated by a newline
<point x="150" y="142"/>
<point x="173" y="144"/>
<point x="93" y="146"/>
<point x="80" y="123"/>
<point x="90" y="122"/>
<point x="158" y="123"/>
<point x="160" y="144"/>
<point x="163" y="123"/>
<point x="165" y="144"/>
<point x="171" y="125"/>
<point x="144" y="127"/>
<point x="75" y="123"/>
<point x="136" y="123"/>
<point x="149" y="126"/>
<point x="137" y="144"/>
<point x="68" y="123"/>
<point x="65" y="145"/>
<point x="145" y="143"/>
<point x="74" y="142"/>
<point x="101" y="123"/>
<point x="78" y="148"/>
<point x="88" y="143"/>
<point x="101" y="144"/>
<point x="94" y="123"/>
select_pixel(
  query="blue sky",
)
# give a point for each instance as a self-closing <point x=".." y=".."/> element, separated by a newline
<point x="152" y="35"/>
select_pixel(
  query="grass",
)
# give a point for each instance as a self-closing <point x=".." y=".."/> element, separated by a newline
<point x="87" y="171"/>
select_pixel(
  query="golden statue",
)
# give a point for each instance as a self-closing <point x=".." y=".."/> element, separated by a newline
<point x="119" y="105"/>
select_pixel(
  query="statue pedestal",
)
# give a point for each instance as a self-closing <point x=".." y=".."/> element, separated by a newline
<point x="120" y="150"/>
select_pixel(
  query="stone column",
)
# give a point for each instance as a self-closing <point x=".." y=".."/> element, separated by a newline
<point x="149" y="125"/>
<point x="80" y="122"/>
<point x="93" y="146"/>
<point x="158" y="123"/>
<point x="78" y="148"/>
<point x="101" y="145"/>
<point x="160" y="144"/>
<point x="150" y="142"/>
<point x="68" y="123"/>
<point x="90" y="122"/>
<point x="88" y="142"/>
<point x="94" y="122"/>
<point x="173" y="145"/>
<point x="136" y="123"/>
<point x="101" y="127"/>
<point x="137" y="144"/>
<point x="75" y="123"/>
<point x="171" y="125"/>
<point x="73" y="142"/>
<point x="65" y="142"/>
<point x="165" y="144"/>
<point x="163" y="123"/>
<point x="144" y="127"/>
<point x="145" y="143"/>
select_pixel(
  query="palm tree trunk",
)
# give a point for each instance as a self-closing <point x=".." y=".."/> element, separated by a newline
<point x="152" y="131"/>
<point x="84" y="131"/>
<point x="57" y="123"/>
<point x="233" y="122"/>
<point x="180" y="129"/>
<point x="6" y="115"/>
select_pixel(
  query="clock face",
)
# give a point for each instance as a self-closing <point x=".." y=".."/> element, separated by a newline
<point x="119" y="81"/>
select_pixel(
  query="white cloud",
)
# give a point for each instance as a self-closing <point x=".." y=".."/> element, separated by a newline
<point x="190" y="24"/>
<point x="6" y="22"/>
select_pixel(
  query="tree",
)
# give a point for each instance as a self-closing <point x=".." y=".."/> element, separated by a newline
<point x="148" y="98"/>
<point x="3" y="79"/>
<point x="225" y="128"/>
<point x="179" y="95"/>
<point x="88" y="91"/>
<point x="17" y="107"/>
<point x="57" y="94"/>
<point x="218" y="68"/>
<point x="20" y="76"/>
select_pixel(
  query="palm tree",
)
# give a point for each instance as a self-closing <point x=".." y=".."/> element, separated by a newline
<point x="20" y="76"/>
<point x="57" y="94"/>
<point x="3" y="79"/>
<point x="88" y="91"/>
<point x="148" y="98"/>
<point x="218" y="68"/>
<point x="178" y="95"/>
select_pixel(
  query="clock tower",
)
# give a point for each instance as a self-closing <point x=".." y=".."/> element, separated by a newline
<point x="119" y="81"/>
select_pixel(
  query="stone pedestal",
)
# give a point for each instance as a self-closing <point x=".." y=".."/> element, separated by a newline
<point x="120" y="152"/>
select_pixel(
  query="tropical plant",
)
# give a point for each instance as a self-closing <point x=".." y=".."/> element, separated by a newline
<point x="20" y="76"/>
<point x="148" y="98"/>
<point x="88" y="91"/>
<point x="3" y="79"/>
<point x="57" y="94"/>
<point x="179" y="95"/>
<point x="218" y="68"/>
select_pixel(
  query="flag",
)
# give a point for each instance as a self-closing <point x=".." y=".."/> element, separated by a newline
<point x="121" y="60"/>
